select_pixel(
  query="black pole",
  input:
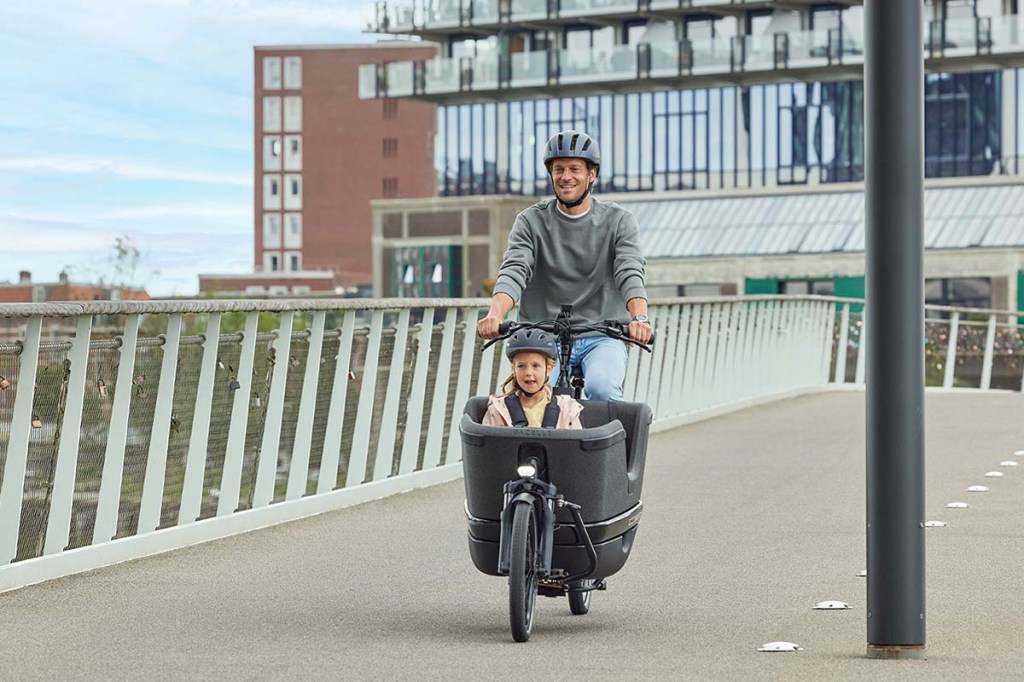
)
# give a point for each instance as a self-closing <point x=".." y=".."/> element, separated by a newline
<point x="894" y="238"/>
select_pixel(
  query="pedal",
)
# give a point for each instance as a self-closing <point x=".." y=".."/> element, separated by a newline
<point x="550" y="589"/>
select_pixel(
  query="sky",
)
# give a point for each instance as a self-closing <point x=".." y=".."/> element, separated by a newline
<point x="134" y="118"/>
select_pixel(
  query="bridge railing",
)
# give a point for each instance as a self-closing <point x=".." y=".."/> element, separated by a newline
<point x="130" y="428"/>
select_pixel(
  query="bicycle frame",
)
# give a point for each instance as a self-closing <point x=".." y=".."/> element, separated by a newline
<point x="568" y="382"/>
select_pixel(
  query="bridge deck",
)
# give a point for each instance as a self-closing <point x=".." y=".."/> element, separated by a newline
<point x="750" y="520"/>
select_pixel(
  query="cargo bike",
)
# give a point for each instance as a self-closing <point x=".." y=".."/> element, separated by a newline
<point x="555" y="510"/>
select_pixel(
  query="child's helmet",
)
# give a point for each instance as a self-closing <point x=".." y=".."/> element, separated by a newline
<point x="536" y="340"/>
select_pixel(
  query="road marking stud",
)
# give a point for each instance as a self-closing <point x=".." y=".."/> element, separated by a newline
<point x="780" y="646"/>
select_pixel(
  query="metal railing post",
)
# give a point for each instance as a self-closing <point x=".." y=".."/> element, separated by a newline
<point x="298" y="473"/>
<point x="844" y="335"/>
<point x="195" y="461"/>
<point x="58" y="526"/>
<point x="108" y="504"/>
<point x="156" y="460"/>
<point x="954" y="336"/>
<point x="990" y="340"/>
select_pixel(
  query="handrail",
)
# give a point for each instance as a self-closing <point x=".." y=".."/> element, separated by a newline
<point x="199" y="425"/>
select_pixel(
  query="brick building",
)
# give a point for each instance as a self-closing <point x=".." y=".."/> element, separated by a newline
<point x="321" y="155"/>
<point x="27" y="291"/>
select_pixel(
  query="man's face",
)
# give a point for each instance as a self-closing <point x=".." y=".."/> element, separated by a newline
<point x="571" y="178"/>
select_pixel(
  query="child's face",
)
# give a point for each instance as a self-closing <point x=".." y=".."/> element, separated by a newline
<point x="531" y="370"/>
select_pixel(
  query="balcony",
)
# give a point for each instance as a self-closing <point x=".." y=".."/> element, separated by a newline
<point x="434" y="19"/>
<point x="965" y="44"/>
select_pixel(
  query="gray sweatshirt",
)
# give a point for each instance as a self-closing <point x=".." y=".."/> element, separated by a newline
<point x="592" y="263"/>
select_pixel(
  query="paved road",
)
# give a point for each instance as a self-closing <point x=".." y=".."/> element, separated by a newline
<point x="750" y="520"/>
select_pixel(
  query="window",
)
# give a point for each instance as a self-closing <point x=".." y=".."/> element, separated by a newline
<point x="390" y="108"/>
<point x="271" y="231"/>
<point x="271" y="191"/>
<point x="816" y="287"/>
<point x="292" y="73"/>
<point x="293" y="191"/>
<point x="966" y="292"/>
<point x="390" y="188"/>
<point x="390" y="147"/>
<point x="271" y="152"/>
<point x="271" y="114"/>
<point x="271" y="262"/>
<point x="294" y="262"/>
<point x="292" y="114"/>
<point x="271" y="73"/>
<point x="293" y="259"/>
<point x="293" y="152"/>
<point x="293" y="231"/>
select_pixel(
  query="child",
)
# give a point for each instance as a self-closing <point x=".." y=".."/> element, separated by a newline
<point x="526" y="400"/>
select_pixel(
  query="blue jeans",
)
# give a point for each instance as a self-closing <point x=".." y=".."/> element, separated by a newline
<point x="604" y="366"/>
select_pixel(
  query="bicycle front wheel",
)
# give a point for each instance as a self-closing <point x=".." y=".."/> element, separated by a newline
<point x="522" y="576"/>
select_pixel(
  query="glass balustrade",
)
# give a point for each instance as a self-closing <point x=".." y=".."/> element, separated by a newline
<point x="800" y="49"/>
<point x="597" y="64"/>
<point x="441" y="75"/>
<point x="665" y="59"/>
<point x="711" y="55"/>
<point x="808" y="48"/>
<point x="485" y="11"/>
<point x="367" y="81"/>
<point x="399" y="79"/>
<point x="571" y="8"/>
<point x="955" y="37"/>
<point x="529" y="69"/>
<point x="523" y="10"/>
<point x="485" y="71"/>
<point x="438" y="13"/>
<point x="759" y="52"/>
<point x="1007" y="33"/>
<point x="402" y="18"/>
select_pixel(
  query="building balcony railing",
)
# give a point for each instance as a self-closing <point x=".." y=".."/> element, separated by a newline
<point x="625" y="68"/>
<point x="443" y="16"/>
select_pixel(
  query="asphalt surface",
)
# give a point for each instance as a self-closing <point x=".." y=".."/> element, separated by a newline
<point x="750" y="520"/>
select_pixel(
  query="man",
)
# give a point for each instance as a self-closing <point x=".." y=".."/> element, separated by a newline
<point x="578" y="251"/>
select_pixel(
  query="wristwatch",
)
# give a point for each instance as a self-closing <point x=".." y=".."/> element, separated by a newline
<point x="641" y="318"/>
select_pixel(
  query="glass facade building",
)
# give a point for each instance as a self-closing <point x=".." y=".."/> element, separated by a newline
<point x="719" y="138"/>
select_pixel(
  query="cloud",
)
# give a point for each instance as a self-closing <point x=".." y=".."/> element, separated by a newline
<point x="46" y="246"/>
<point x="127" y="168"/>
<point x="198" y="211"/>
<point x="24" y="235"/>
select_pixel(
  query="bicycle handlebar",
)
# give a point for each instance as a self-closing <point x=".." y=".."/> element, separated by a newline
<point x="610" y="328"/>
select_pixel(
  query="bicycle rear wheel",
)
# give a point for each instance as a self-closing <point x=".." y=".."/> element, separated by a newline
<point x="579" y="602"/>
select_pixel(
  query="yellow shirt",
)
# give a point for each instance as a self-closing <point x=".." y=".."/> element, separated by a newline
<point x="535" y="414"/>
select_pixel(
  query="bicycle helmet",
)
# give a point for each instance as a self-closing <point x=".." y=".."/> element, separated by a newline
<point x="572" y="144"/>
<point x="536" y="340"/>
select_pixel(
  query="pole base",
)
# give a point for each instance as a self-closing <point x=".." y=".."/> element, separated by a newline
<point x="897" y="653"/>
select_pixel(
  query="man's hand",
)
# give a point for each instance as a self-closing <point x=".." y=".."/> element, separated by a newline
<point x="501" y="303"/>
<point x="487" y="327"/>
<point x="641" y="331"/>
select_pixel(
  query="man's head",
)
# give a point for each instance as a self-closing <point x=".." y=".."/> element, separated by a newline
<point x="573" y="160"/>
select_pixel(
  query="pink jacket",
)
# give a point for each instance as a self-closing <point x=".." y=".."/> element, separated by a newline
<point x="568" y="412"/>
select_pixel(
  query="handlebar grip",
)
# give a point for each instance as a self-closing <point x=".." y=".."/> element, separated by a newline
<point x="505" y="326"/>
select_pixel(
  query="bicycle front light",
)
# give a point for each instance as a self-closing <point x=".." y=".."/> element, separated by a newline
<point x="526" y="470"/>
